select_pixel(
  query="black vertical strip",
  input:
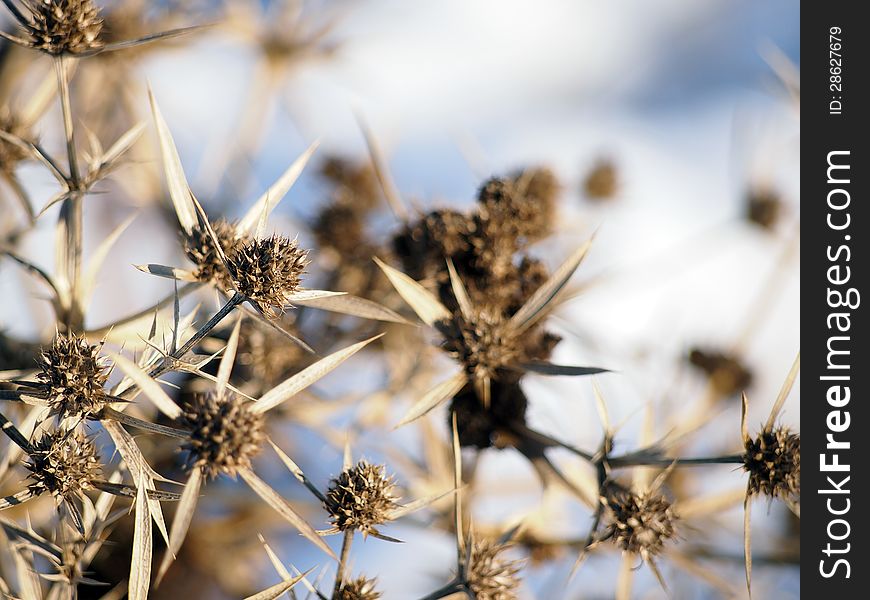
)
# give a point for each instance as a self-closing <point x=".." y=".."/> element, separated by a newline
<point x="835" y="418"/>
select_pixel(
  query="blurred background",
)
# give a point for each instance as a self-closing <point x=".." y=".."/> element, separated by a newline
<point x="673" y="129"/>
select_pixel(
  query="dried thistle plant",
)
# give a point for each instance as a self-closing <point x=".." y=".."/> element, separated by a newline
<point x="474" y="277"/>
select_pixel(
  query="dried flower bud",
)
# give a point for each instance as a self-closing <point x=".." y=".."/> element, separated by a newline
<point x="727" y="373"/>
<point x="602" y="181"/>
<point x="490" y="576"/>
<point x="200" y="249"/>
<point x="773" y="461"/>
<point x="65" y="26"/>
<point x="267" y="270"/>
<point x="74" y="376"/>
<point x="62" y="463"/>
<point x="360" y="588"/>
<point x="763" y="207"/>
<point x="224" y="433"/>
<point x="266" y="356"/>
<point x="638" y="522"/>
<point x="484" y="344"/>
<point x="361" y="498"/>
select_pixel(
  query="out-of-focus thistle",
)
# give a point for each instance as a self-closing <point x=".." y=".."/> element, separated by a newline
<point x="764" y="207"/>
<point x="490" y="575"/>
<point x="361" y="588"/>
<point x="602" y="181"/>
<point x="67" y="27"/>
<point x="727" y="373"/>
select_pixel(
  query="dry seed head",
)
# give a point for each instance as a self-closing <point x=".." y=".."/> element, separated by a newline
<point x="773" y="461"/>
<point x="74" y="374"/>
<point x="424" y="245"/>
<point x="65" y="26"/>
<point x="360" y="588"/>
<point x="200" y="249"/>
<point x="224" y="433"/>
<point x="267" y="270"/>
<point x="640" y="523"/>
<point x="266" y="355"/>
<point x="361" y="498"/>
<point x="483" y="344"/>
<point x="63" y="463"/>
<point x="490" y="576"/>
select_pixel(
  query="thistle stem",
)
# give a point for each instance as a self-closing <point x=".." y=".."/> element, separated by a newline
<point x="342" y="563"/>
<point x="449" y="589"/>
<point x="71" y="209"/>
<point x="631" y="461"/>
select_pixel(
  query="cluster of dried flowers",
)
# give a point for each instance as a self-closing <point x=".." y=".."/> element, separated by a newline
<point x="196" y="387"/>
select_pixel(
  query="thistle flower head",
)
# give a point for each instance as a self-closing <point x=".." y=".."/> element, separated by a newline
<point x="74" y="375"/>
<point x="267" y="270"/>
<point x="773" y="461"/>
<point x="62" y="463"/>
<point x="490" y="575"/>
<point x="360" y="588"/>
<point x="639" y="522"/>
<point x="483" y="344"/>
<point x="64" y="26"/>
<point x="361" y="498"/>
<point x="200" y="249"/>
<point x="423" y="245"/>
<point x="224" y="433"/>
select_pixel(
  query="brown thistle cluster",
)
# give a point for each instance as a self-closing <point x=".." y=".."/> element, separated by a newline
<point x="200" y="249"/>
<point x="263" y="270"/>
<point x="224" y="434"/>
<point x="728" y="374"/>
<point x="74" y="375"/>
<point x="62" y="463"/>
<point x="773" y="461"/>
<point x="360" y="588"/>
<point x="490" y="576"/>
<point x="362" y="497"/>
<point x="639" y="522"/>
<point x="64" y="26"/>
<point x="267" y="270"/>
<point x="483" y="245"/>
